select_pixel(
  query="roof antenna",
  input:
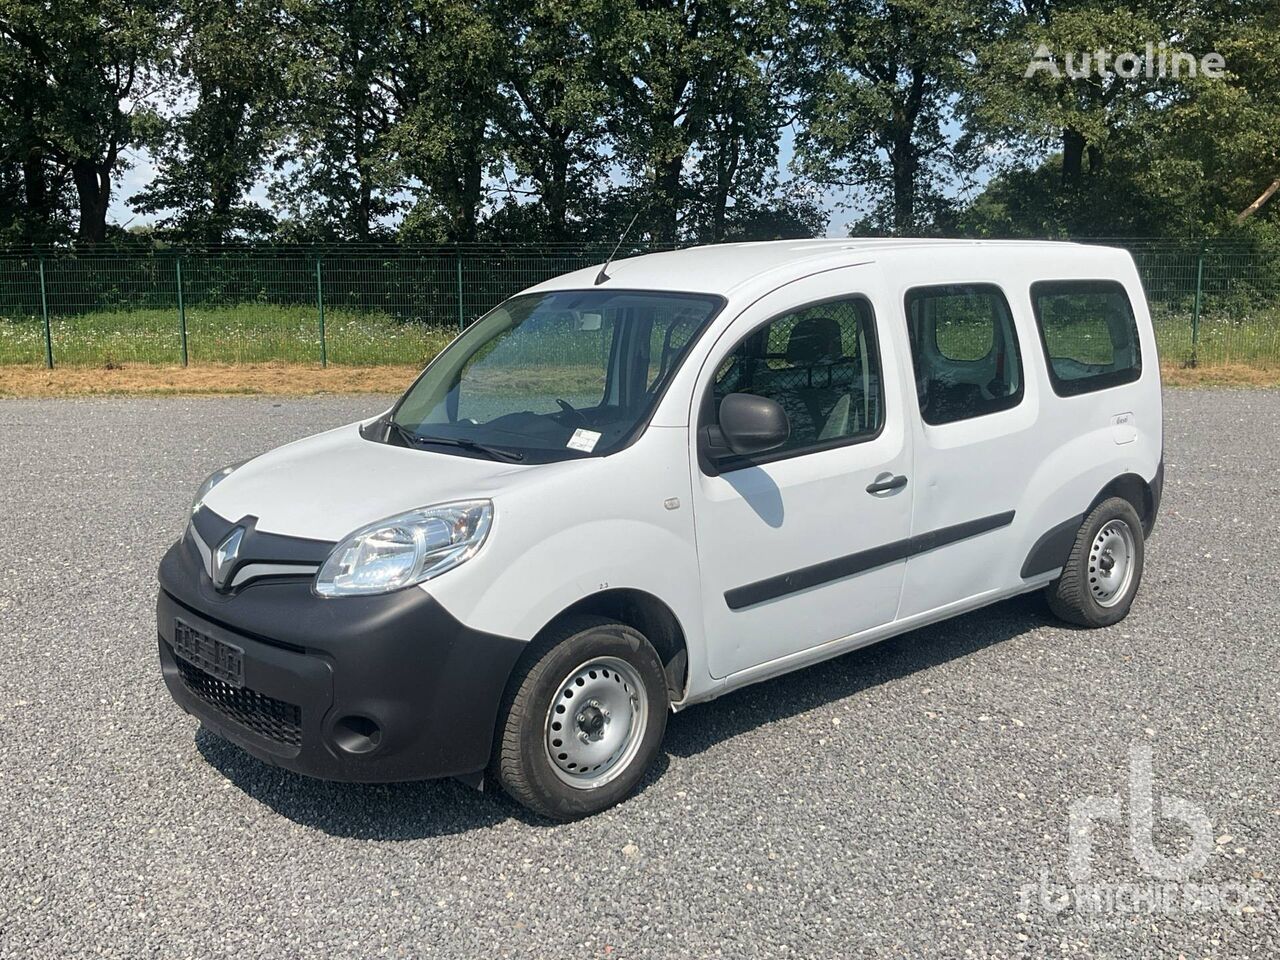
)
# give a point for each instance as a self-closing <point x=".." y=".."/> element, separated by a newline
<point x="603" y="275"/>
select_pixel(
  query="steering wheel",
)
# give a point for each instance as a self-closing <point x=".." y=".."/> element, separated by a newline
<point x="570" y="409"/>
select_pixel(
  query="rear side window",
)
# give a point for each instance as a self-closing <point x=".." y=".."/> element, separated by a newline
<point x="1089" y="334"/>
<point x="965" y="351"/>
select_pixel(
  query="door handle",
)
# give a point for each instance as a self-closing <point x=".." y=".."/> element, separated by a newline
<point x="886" y="482"/>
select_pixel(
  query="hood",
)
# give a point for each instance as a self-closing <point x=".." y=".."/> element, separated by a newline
<point x="326" y="486"/>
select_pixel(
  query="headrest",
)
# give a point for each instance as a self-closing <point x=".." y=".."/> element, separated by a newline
<point x="815" y="340"/>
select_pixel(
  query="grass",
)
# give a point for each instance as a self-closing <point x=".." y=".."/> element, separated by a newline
<point x="247" y="333"/>
<point x="296" y="379"/>
<point x="275" y="349"/>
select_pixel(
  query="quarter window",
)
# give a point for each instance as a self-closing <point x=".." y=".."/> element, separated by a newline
<point x="965" y="351"/>
<point x="821" y="364"/>
<point x="1089" y="334"/>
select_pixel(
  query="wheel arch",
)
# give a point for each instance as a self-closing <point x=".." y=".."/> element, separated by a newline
<point x="648" y="614"/>
<point x="1131" y="487"/>
<point x="1051" y="550"/>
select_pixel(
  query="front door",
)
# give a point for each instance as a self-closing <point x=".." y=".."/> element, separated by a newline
<point x="803" y="545"/>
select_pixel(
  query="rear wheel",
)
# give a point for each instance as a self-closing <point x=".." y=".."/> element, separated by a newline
<point x="583" y="719"/>
<point x="1102" y="575"/>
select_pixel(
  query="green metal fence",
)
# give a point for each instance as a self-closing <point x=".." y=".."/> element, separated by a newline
<point x="1213" y="302"/>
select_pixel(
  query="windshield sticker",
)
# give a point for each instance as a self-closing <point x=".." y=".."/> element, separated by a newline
<point x="584" y="440"/>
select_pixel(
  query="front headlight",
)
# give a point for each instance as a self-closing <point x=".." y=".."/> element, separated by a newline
<point x="211" y="481"/>
<point x="407" y="549"/>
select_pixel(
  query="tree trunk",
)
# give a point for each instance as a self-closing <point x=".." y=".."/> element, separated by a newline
<point x="363" y="212"/>
<point x="1072" y="156"/>
<point x="905" y="165"/>
<point x="1095" y="159"/>
<point x="471" y="184"/>
<point x="726" y="173"/>
<point x="555" y="193"/>
<point x="35" y="185"/>
<point x="93" y="190"/>
<point x="666" y="192"/>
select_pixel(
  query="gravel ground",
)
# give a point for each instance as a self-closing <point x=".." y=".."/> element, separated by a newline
<point x="893" y="802"/>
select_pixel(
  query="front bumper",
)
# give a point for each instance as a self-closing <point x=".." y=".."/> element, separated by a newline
<point x="369" y="689"/>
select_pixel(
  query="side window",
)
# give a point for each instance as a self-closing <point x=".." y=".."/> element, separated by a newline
<point x="965" y="351"/>
<point x="821" y="364"/>
<point x="1089" y="334"/>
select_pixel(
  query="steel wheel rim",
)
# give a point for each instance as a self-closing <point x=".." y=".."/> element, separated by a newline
<point x="1112" y="561"/>
<point x="596" y="722"/>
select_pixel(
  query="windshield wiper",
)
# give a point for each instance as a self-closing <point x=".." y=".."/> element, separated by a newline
<point x="418" y="439"/>
<point x="497" y="453"/>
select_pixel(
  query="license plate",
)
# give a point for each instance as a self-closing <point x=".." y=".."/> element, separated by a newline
<point x="214" y="657"/>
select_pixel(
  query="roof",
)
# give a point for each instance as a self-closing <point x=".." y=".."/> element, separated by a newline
<point x="721" y="268"/>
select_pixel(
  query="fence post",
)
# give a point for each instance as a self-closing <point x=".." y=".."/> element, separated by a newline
<point x="44" y="310"/>
<point x="460" y="313"/>
<point x="1195" y="316"/>
<point x="324" y="349"/>
<point x="182" y="311"/>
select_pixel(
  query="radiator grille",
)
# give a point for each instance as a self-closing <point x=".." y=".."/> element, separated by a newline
<point x="266" y="716"/>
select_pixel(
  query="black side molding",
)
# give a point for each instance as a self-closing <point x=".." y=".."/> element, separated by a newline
<point x="819" y="573"/>
<point x="1052" y="550"/>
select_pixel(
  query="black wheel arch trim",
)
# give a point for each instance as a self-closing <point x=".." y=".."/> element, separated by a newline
<point x="1051" y="550"/>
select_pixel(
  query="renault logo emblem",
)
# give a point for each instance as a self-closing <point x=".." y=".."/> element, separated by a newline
<point x="225" y="557"/>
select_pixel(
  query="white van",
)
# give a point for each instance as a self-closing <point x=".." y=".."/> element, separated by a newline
<point x="631" y="489"/>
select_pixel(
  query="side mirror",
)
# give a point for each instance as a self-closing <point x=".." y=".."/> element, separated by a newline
<point x="749" y="425"/>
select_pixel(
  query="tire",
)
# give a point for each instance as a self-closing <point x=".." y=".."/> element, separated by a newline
<point x="609" y="672"/>
<point x="1088" y="593"/>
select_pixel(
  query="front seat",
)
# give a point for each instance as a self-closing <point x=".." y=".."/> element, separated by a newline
<point x="815" y="402"/>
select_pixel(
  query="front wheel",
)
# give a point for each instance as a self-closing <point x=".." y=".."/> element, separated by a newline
<point x="1101" y="577"/>
<point x="583" y="719"/>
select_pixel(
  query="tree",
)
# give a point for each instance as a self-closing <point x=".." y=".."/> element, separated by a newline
<point x="81" y="67"/>
<point x="337" y="174"/>
<point x="553" y="101"/>
<point x="879" y="83"/>
<point x="1045" y="77"/>
<point x="1102" y="153"/>
<point x="695" y="90"/>
<point x="732" y="173"/>
<point x="209" y="157"/>
<point x="36" y="205"/>
<point x="444" y="82"/>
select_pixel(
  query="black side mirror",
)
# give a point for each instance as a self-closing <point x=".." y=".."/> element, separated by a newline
<point x="748" y="425"/>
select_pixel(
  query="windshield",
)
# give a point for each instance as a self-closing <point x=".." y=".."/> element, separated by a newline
<point x="555" y="375"/>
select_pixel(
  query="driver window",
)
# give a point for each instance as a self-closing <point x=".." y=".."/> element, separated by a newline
<point x="821" y="364"/>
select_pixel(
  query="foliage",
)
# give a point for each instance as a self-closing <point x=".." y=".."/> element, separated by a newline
<point x="73" y="76"/>
<point x="209" y="156"/>
<point x="1143" y="155"/>
<point x="539" y="121"/>
<point x="878" y="82"/>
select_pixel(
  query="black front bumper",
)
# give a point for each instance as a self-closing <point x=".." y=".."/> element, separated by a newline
<point x="423" y="689"/>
